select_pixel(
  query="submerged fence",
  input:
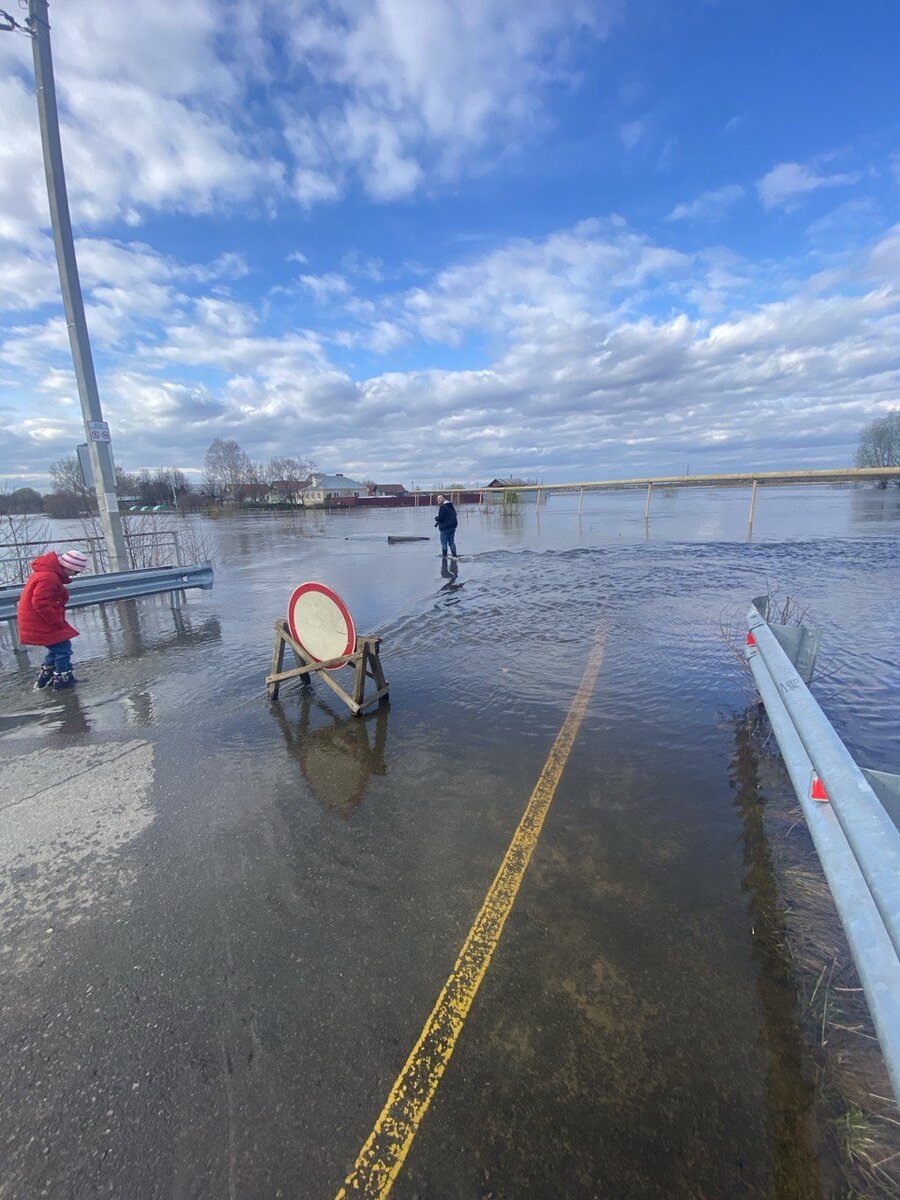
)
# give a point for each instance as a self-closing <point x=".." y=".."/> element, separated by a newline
<point x="852" y="814"/>
<point x="148" y="548"/>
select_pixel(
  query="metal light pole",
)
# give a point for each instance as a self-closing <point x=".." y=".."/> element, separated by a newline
<point x="98" y="437"/>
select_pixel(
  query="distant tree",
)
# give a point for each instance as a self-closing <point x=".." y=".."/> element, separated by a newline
<point x="177" y="480"/>
<point x="227" y="466"/>
<point x="22" y="500"/>
<point x="23" y="534"/>
<point x="291" y="469"/>
<point x="66" y="475"/>
<point x="879" y="444"/>
<point x="64" y="504"/>
<point x="125" y="483"/>
<point x="169" y="483"/>
<point x="260" y="474"/>
<point x="144" y="487"/>
<point x="179" y="487"/>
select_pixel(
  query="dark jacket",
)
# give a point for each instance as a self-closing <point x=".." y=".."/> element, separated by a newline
<point x="446" y="516"/>
<point x="42" y="605"/>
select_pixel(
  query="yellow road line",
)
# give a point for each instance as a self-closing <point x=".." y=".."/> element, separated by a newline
<point x="381" y="1158"/>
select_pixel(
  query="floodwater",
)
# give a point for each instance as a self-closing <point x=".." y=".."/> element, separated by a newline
<point x="224" y="922"/>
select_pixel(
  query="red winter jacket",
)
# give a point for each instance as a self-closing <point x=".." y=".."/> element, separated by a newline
<point x="42" y="605"/>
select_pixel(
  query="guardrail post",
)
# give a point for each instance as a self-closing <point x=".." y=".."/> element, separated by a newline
<point x="93" y="549"/>
<point x="176" y="545"/>
<point x="752" y="509"/>
<point x="647" y="505"/>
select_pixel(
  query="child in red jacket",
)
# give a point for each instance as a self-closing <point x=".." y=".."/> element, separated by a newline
<point x="42" y="615"/>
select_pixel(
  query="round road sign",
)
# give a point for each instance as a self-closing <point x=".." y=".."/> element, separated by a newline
<point x="320" y="621"/>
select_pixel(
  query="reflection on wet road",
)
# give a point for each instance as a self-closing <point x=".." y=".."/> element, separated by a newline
<point x="337" y="756"/>
<point x="224" y="923"/>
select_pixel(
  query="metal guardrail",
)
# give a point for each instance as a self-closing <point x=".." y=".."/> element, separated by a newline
<point x="116" y="585"/>
<point x="852" y="813"/>
<point x="738" y="479"/>
<point x="540" y="492"/>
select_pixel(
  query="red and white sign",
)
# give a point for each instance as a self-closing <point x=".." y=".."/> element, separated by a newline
<point x="320" y="621"/>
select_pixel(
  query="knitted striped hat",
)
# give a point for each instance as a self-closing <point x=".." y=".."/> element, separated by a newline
<point x="73" y="561"/>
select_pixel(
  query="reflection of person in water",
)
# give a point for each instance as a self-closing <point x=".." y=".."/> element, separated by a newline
<point x="74" y="718"/>
<point x="449" y="569"/>
<point x="339" y="758"/>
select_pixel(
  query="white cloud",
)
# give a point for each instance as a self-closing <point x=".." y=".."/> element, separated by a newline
<point x="631" y="133"/>
<point x="592" y="361"/>
<point x="325" y="287"/>
<point x="564" y="278"/>
<point x="162" y="115"/>
<point x="784" y="184"/>
<point x="29" y="278"/>
<point x="708" y="206"/>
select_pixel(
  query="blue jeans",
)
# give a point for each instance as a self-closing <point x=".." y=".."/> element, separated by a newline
<point x="59" y="657"/>
<point x="448" y="538"/>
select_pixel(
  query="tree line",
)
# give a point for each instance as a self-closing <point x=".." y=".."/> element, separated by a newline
<point x="227" y="470"/>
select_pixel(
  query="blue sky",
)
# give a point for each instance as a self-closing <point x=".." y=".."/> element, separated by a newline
<point x="446" y="239"/>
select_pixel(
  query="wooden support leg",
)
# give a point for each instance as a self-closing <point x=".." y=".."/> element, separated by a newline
<point x="277" y="664"/>
<point x="359" y="678"/>
<point x="374" y="671"/>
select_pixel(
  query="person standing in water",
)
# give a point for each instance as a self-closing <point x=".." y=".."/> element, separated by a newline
<point x="446" y="522"/>
<point x="42" y="615"/>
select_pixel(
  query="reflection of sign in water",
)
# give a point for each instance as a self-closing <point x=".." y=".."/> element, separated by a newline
<point x="320" y="622"/>
<point x="338" y="758"/>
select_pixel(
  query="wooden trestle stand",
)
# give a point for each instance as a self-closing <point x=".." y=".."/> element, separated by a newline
<point x="365" y="660"/>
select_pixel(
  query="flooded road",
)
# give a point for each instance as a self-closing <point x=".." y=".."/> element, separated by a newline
<point x="224" y="922"/>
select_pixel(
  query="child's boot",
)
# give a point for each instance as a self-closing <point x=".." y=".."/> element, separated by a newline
<point x="45" y="677"/>
<point x="63" y="680"/>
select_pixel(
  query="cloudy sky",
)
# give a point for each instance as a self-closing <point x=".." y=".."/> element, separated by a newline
<point x="435" y="240"/>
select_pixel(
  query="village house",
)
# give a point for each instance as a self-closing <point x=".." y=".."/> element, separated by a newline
<point x="287" y="491"/>
<point x="332" y="491"/>
<point x="251" y="493"/>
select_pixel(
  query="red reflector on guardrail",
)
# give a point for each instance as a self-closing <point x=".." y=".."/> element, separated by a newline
<point x="751" y="640"/>
<point x="817" y="789"/>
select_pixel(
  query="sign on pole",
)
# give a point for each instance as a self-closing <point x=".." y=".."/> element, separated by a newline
<point x="87" y="471"/>
<point x="98" y="431"/>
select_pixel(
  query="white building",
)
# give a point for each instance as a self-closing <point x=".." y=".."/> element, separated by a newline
<point x="332" y="491"/>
